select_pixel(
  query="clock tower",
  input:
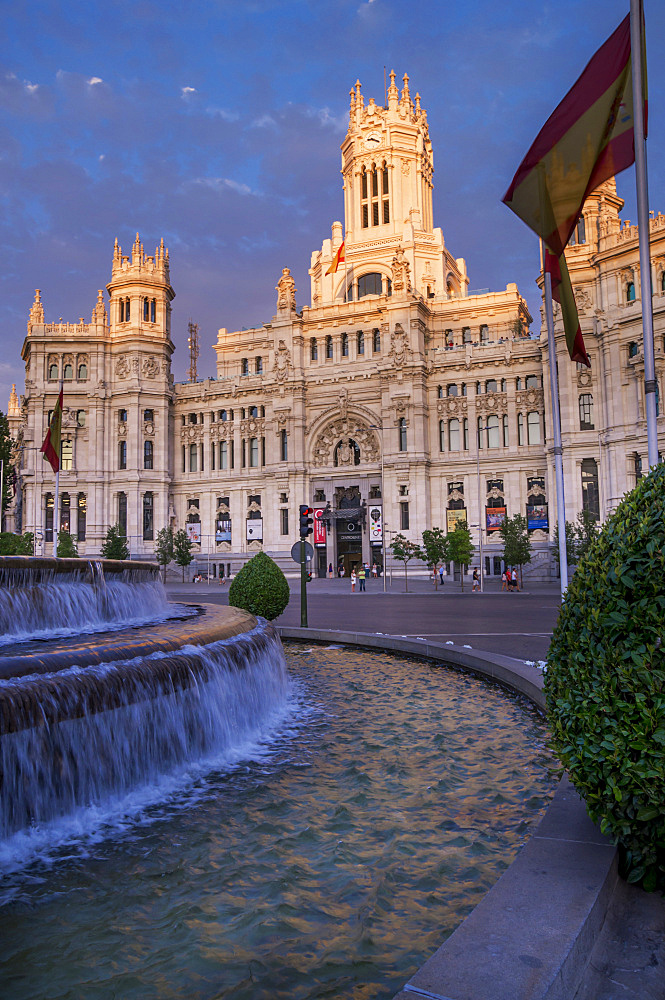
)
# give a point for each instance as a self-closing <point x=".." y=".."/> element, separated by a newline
<point x="388" y="169"/>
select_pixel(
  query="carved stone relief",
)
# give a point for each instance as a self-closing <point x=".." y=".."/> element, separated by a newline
<point x="282" y="361"/>
<point x="150" y="367"/>
<point x="122" y="367"/>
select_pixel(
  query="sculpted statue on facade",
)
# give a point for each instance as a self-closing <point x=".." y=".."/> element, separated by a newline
<point x="401" y="278"/>
<point x="286" y="291"/>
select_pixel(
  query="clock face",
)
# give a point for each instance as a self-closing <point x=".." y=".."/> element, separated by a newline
<point x="372" y="141"/>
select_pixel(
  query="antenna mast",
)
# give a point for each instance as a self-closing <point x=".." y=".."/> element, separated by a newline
<point x="193" y="341"/>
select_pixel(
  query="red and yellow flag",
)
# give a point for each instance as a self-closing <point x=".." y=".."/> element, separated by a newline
<point x="585" y="141"/>
<point x="51" y="447"/>
<point x="339" y="259"/>
<point x="562" y="292"/>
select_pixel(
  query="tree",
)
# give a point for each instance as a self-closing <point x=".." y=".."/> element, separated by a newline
<point x="516" y="542"/>
<point x="115" y="545"/>
<point x="404" y="551"/>
<point x="66" y="546"/>
<point x="182" y="550"/>
<point x="460" y="548"/>
<point x="435" y="549"/>
<point x="164" y="548"/>
<point x="586" y="531"/>
<point x="17" y="545"/>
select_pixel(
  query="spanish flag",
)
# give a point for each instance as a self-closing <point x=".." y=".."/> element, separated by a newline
<point x="51" y="447"/>
<point x="562" y="292"/>
<point x="585" y="141"/>
<point x="339" y="259"/>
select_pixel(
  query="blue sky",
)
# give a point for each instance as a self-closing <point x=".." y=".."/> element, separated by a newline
<point x="217" y="126"/>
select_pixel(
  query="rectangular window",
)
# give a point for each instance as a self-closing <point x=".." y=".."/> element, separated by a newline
<point x="253" y="453"/>
<point x="122" y="454"/>
<point x="65" y="513"/>
<point x="243" y="450"/>
<point x="122" y="514"/>
<point x="404" y="516"/>
<point x="223" y="455"/>
<point x="284" y="521"/>
<point x="48" y="517"/>
<point x="81" y="519"/>
<point x="66" y="455"/>
<point x="233" y="454"/>
<point x="193" y="458"/>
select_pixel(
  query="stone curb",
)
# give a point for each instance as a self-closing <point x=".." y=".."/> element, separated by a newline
<point x="531" y="936"/>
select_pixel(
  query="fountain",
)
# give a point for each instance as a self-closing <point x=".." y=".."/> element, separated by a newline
<point x="104" y="685"/>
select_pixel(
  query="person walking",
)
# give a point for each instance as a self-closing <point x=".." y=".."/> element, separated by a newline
<point x="330" y="571"/>
<point x="353" y="579"/>
<point x="441" y="574"/>
<point x="476" y="581"/>
<point x="375" y="571"/>
<point x="504" y="581"/>
<point x="362" y="576"/>
<point x="516" y="582"/>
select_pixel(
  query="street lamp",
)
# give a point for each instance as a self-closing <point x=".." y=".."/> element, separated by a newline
<point x="379" y="428"/>
<point x="481" y="512"/>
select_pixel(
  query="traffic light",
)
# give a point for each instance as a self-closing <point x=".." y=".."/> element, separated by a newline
<point x="306" y="520"/>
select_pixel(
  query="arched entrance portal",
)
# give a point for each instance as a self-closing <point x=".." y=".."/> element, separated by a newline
<point x="348" y="529"/>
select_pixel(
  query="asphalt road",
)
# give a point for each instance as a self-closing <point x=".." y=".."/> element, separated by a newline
<point x="518" y="624"/>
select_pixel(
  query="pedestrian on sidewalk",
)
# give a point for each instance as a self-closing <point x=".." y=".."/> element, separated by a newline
<point x="476" y="581"/>
<point x="353" y="579"/>
<point x="362" y="576"/>
<point x="516" y="582"/>
<point x="375" y="571"/>
<point x="330" y="571"/>
<point x="504" y="581"/>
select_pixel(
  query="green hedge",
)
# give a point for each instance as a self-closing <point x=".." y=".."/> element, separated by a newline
<point x="260" y="588"/>
<point x="605" y="681"/>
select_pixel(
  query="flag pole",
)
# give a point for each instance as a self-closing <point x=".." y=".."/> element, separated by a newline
<point x="556" y="427"/>
<point x="56" y="513"/>
<point x="650" y="386"/>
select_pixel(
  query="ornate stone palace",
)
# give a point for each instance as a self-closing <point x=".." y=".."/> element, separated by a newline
<point x="395" y="402"/>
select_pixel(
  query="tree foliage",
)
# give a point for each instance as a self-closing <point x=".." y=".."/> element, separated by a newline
<point x="115" y="545"/>
<point x="182" y="550"/>
<point x="579" y="537"/>
<point x="405" y="550"/>
<point x="66" y="546"/>
<point x="605" y="680"/>
<point x="460" y="548"/>
<point x="260" y="588"/>
<point x="164" y="547"/>
<point x="516" y="541"/>
<point x="434" y="549"/>
<point x="17" y="545"/>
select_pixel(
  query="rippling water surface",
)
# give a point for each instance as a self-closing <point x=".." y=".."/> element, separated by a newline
<point x="327" y="859"/>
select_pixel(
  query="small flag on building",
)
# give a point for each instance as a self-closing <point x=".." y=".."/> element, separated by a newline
<point x="339" y="259"/>
<point x="51" y="447"/>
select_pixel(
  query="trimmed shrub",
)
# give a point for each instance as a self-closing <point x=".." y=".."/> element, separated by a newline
<point x="260" y="588"/>
<point x="605" y="681"/>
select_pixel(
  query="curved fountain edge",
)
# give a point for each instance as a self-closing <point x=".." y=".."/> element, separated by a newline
<point x="531" y="936"/>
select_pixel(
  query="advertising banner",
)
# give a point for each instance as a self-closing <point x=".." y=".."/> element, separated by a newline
<point x="375" y="525"/>
<point x="453" y="517"/>
<point x="223" y="530"/>
<point x="255" y="529"/>
<point x="194" y="532"/>
<point x="537" y="517"/>
<point x="319" y="527"/>
<point x="494" y="518"/>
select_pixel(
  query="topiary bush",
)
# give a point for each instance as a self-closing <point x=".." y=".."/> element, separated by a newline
<point x="605" y="681"/>
<point x="260" y="588"/>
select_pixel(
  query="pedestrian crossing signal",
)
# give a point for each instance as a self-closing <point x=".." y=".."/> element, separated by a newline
<point x="306" y="520"/>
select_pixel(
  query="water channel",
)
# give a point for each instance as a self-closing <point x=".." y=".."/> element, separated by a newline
<point x="325" y="848"/>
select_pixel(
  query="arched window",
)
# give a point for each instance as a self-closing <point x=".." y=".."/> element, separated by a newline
<point x="121" y="311"/>
<point x="370" y="284"/>
<point x="153" y="310"/>
<point x="376" y="341"/>
<point x="244" y="366"/>
<point x="258" y="366"/>
<point x="345" y="345"/>
<point x="127" y="310"/>
<point x="122" y="454"/>
<point x="313" y="349"/>
<point x="590" y="495"/>
<point x="401" y="427"/>
<point x="533" y="427"/>
<point x="493" y="431"/>
<point x="122" y="514"/>
<point x="53" y="371"/>
<point x="193" y="458"/>
<point x="223" y="455"/>
<point x="283" y="446"/>
<point x="83" y="372"/>
<point x="630" y="291"/>
<point x="586" y="411"/>
<point x="148" y="451"/>
<point x="148" y="517"/>
<point x="253" y="453"/>
<point x="374" y="197"/>
<point x="360" y="340"/>
<point x="329" y="348"/>
<point x="453" y="434"/>
<point x="146" y="310"/>
<point x="68" y="371"/>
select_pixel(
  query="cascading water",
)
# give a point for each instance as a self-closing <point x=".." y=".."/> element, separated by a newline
<point x="88" y="721"/>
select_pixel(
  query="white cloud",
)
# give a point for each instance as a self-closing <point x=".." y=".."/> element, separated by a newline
<point x="186" y="91"/>
<point x="93" y="80"/>
<point x="223" y="183"/>
<point x="265" y="121"/>
<point x="31" y="87"/>
<point x="228" y="116"/>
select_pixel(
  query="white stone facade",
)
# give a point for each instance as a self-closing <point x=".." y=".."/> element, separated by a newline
<point x="368" y="400"/>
